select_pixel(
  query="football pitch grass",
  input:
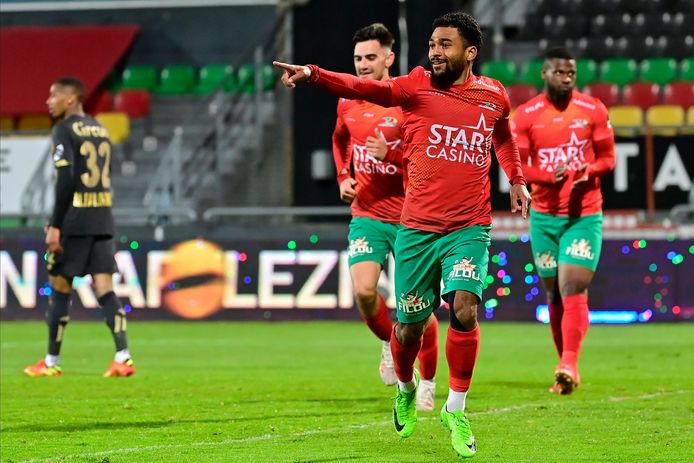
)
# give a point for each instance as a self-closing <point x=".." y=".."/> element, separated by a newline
<point x="310" y="392"/>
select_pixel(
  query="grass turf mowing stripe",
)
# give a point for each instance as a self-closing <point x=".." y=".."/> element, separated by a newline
<point x="343" y="429"/>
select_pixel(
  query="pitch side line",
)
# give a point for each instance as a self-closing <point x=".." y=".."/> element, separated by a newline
<point x="263" y="437"/>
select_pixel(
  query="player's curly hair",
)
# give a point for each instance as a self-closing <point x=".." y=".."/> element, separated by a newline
<point x="375" y="31"/>
<point x="74" y="83"/>
<point x="559" y="53"/>
<point x="468" y="27"/>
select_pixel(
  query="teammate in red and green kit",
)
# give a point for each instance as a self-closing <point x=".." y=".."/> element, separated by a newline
<point x="367" y="147"/>
<point x="452" y="117"/>
<point x="566" y="143"/>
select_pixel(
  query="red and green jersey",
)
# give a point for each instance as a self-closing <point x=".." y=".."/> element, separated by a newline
<point x="448" y="134"/>
<point x="380" y="192"/>
<point x="579" y="135"/>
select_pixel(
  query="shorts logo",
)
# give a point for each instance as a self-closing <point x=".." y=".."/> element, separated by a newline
<point x="464" y="269"/>
<point x="412" y="303"/>
<point x="580" y="250"/>
<point x="359" y="247"/>
<point x="545" y="261"/>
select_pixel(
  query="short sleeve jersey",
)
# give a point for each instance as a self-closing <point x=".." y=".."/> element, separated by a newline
<point x="83" y="145"/>
<point x="552" y="137"/>
<point x="379" y="192"/>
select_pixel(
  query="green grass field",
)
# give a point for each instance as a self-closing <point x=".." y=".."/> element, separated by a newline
<point x="310" y="392"/>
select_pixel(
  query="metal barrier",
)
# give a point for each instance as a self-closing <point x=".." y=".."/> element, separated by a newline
<point x="318" y="211"/>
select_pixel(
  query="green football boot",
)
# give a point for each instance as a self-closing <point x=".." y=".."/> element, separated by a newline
<point x="405" y="409"/>
<point x="461" y="434"/>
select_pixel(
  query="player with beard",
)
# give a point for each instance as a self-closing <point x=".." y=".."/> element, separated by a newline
<point x="566" y="144"/>
<point x="367" y="147"/>
<point x="452" y="117"/>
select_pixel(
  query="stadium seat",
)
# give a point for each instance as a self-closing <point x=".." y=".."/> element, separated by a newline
<point x="601" y="6"/>
<point x="605" y="92"/>
<point x="642" y="94"/>
<point x="268" y="77"/>
<point x="680" y="48"/>
<point x="640" y="48"/>
<point x="679" y="93"/>
<point x="590" y="48"/>
<point x="687" y="69"/>
<point x="665" y="119"/>
<point x="246" y="76"/>
<point x="601" y="48"/>
<point x="531" y="28"/>
<point x="100" y="102"/>
<point x="562" y="27"/>
<point x="586" y="72"/>
<point x="117" y="124"/>
<point x="140" y="77"/>
<point x="211" y="77"/>
<point x="602" y="25"/>
<point x="686" y="5"/>
<point x="626" y="119"/>
<point x="555" y="7"/>
<point x="34" y="123"/>
<point x="647" y="6"/>
<point x="113" y="82"/>
<point x="658" y="70"/>
<point x="520" y="93"/>
<point x="618" y="71"/>
<point x="502" y="70"/>
<point x="649" y="24"/>
<point x="680" y="24"/>
<point x="6" y="123"/>
<point x="134" y="103"/>
<point x="531" y="73"/>
<point x="176" y="80"/>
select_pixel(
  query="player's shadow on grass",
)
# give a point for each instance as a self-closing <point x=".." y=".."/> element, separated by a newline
<point x="165" y="423"/>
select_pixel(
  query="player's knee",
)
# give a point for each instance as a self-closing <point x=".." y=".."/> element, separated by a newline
<point x="553" y="296"/>
<point x="409" y="333"/>
<point x="464" y="319"/>
<point x="573" y="287"/>
<point x="364" y="293"/>
<point x="61" y="284"/>
<point x="103" y="284"/>
<point x="464" y="312"/>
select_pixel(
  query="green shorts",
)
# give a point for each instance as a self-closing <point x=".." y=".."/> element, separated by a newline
<point x="423" y="259"/>
<point x="565" y="240"/>
<point x="371" y="240"/>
